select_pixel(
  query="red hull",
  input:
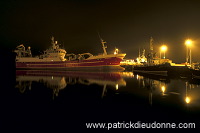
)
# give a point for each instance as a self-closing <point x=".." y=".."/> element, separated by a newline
<point x="109" y="63"/>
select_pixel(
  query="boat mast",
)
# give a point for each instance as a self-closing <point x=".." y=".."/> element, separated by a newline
<point x="103" y="46"/>
<point x="151" y="51"/>
<point x="143" y="53"/>
<point x="151" y="44"/>
<point x="53" y="43"/>
<point x="139" y="53"/>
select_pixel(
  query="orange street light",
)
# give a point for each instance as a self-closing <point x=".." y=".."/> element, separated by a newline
<point x="163" y="49"/>
<point x="188" y="44"/>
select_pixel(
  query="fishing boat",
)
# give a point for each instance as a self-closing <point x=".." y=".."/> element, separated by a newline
<point x="161" y="70"/>
<point x="57" y="58"/>
<point x="161" y="66"/>
<point x="152" y="64"/>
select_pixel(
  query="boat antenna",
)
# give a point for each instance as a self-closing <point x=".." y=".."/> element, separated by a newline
<point x="53" y="42"/>
<point x="103" y="46"/>
<point x="139" y="53"/>
<point x="151" y="43"/>
<point x="63" y="44"/>
<point x="151" y="50"/>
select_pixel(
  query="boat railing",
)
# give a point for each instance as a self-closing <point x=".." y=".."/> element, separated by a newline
<point x="21" y="51"/>
<point x="83" y="56"/>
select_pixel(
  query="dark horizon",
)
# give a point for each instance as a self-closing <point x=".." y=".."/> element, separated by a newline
<point x="127" y="25"/>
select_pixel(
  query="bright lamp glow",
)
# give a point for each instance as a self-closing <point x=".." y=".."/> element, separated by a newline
<point x="187" y="100"/>
<point x="163" y="89"/>
<point x="117" y="86"/>
<point x="116" y="51"/>
<point x="188" y="42"/>
<point x="163" y="48"/>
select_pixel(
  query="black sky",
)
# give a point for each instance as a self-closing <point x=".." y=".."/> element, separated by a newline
<point x="127" y="25"/>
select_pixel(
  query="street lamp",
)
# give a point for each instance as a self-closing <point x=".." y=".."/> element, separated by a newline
<point x="163" y="49"/>
<point x="188" y="44"/>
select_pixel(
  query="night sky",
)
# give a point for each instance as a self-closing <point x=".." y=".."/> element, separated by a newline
<point x="127" y="25"/>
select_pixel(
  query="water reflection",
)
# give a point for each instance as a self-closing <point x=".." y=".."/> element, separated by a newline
<point x="192" y="91"/>
<point x="171" y="89"/>
<point x="157" y="90"/>
<point x="58" y="80"/>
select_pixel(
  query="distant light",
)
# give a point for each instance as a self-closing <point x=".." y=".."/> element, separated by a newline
<point x="188" y="42"/>
<point x="128" y="74"/>
<point x="116" y="86"/>
<point x="137" y="77"/>
<point x="163" y="48"/>
<point x="143" y="60"/>
<point x="116" y="51"/>
<point x="163" y="89"/>
<point x="187" y="100"/>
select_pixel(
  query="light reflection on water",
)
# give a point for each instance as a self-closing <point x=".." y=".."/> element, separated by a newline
<point x="164" y="90"/>
<point x="58" y="80"/>
<point x="75" y="97"/>
<point x="186" y="91"/>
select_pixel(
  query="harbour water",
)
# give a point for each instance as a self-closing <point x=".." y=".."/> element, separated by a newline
<point x="59" y="100"/>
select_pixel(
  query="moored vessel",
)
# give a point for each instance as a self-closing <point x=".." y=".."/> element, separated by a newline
<point x="153" y="64"/>
<point x="195" y="73"/>
<point x="57" y="58"/>
<point x="161" y="66"/>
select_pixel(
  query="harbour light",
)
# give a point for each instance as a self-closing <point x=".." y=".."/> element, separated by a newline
<point x="163" y="89"/>
<point x="187" y="100"/>
<point x="116" y="86"/>
<point x="116" y="51"/>
<point x="188" y="42"/>
<point x="163" y="49"/>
